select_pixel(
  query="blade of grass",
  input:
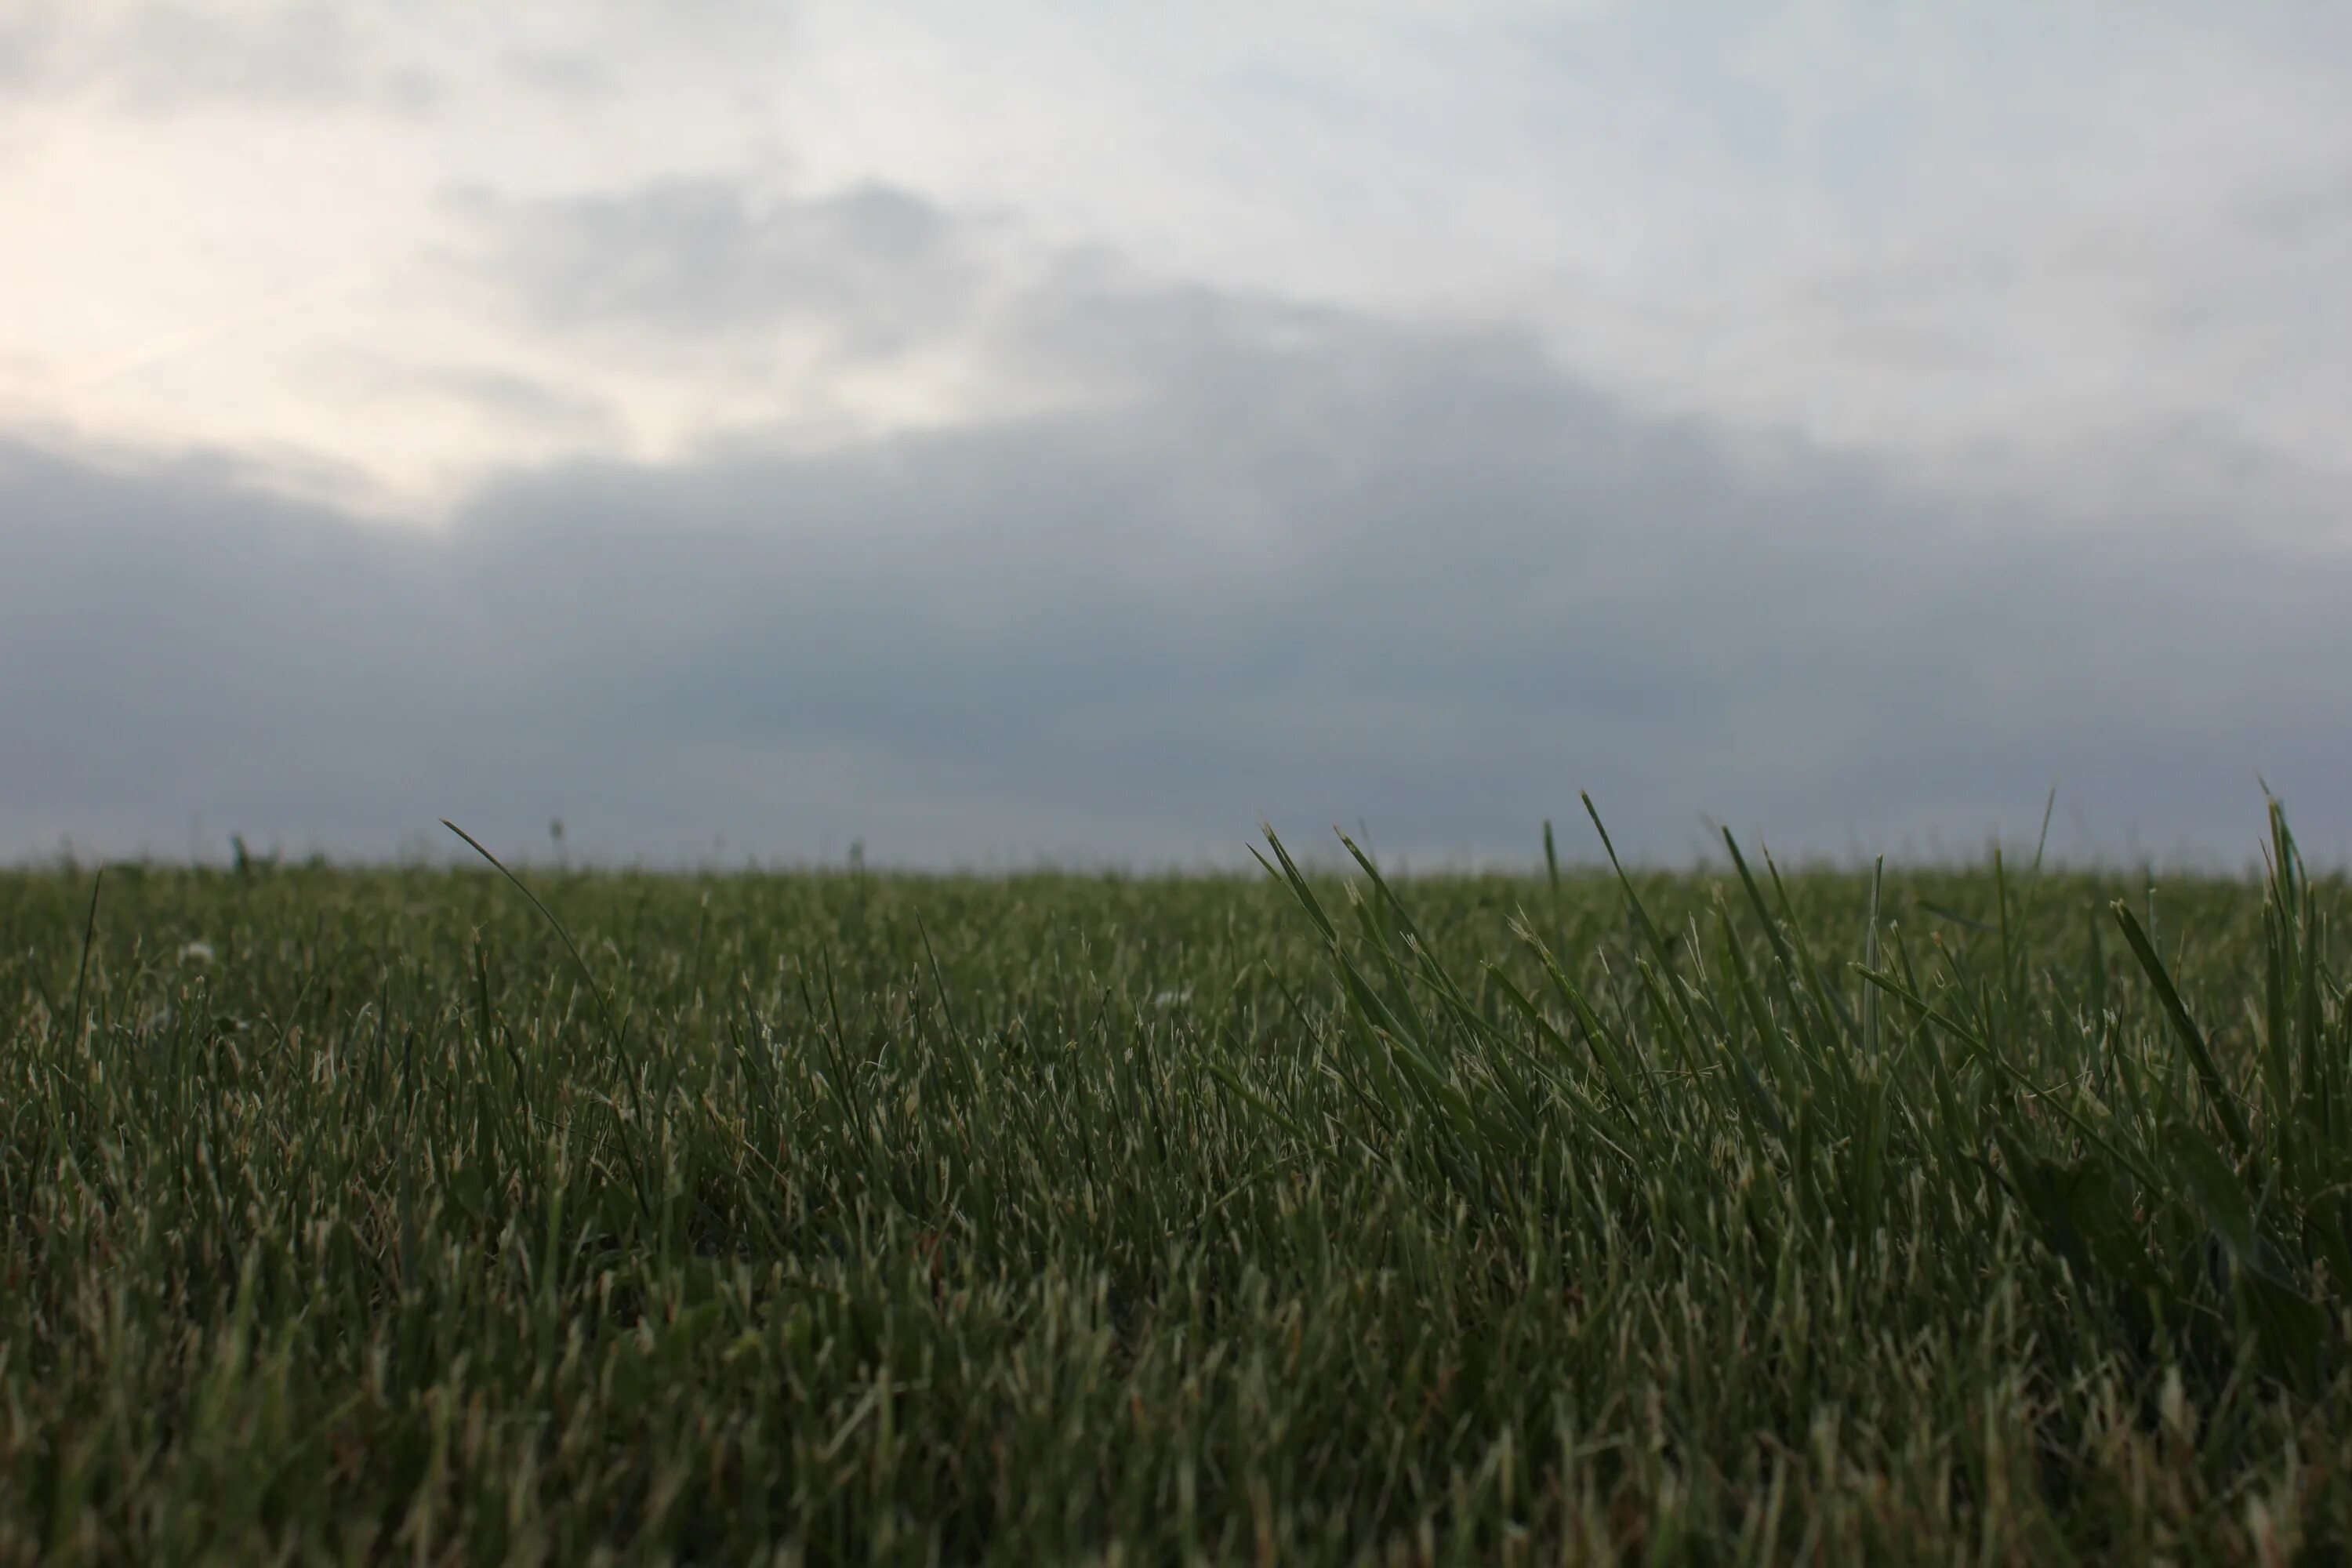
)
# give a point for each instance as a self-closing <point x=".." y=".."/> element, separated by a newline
<point x="2201" y="1054"/>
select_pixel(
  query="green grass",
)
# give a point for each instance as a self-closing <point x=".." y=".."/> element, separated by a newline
<point x="1962" y="1215"/>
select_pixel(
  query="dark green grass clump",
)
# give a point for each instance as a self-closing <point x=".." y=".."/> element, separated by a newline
<point x="1950" y="1217"/>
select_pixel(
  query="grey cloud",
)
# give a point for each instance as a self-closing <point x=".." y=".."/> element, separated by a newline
<point x="2301" y="214"/>
<point x="1318" y="567"/>
<point x="561" y="73"/>
<point x="872" y="268"/>
<point x="161" y="58"/>
<point x="27" y="40"/>
<point x="530" y="401"/>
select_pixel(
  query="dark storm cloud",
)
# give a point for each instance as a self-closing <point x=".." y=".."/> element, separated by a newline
<point x="1314" y="566"/>
<point x="872" y="267"/>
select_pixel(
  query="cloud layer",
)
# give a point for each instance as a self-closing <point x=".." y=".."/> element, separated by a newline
<point x="794" y="424"/>
<point x="1311" y="565"/>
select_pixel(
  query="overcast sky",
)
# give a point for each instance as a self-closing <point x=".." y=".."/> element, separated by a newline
<point x="1016" y="431"/>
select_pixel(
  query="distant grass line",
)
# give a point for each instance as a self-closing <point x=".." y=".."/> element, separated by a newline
<point x="1998" y="1214"/>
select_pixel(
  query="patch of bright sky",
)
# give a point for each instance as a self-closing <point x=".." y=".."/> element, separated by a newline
<point x="1970" y="238"/>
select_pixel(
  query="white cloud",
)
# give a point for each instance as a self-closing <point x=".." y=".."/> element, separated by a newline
<point x="1985" y="239"/>
<point x="258" y="264"/>
<point x="1991" y="240"/>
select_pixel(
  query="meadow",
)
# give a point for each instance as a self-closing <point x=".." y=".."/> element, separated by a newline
<point x="1991" y="1214"/>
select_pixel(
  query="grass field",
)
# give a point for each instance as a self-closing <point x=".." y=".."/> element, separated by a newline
<point x="1960" y="1215"/>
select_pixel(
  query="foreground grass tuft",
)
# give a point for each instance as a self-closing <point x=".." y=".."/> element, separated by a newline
<point x="1979" y="1215"/>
